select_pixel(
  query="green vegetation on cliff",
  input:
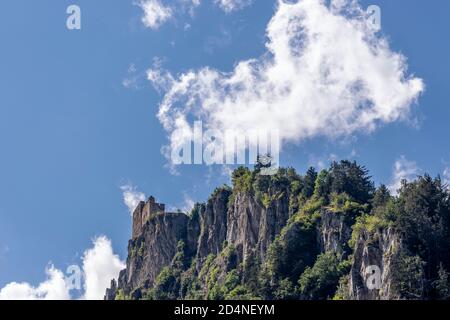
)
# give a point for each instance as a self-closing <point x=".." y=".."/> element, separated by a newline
<point x="298" y="238"/>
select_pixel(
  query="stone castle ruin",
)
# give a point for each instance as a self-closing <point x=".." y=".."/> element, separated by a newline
<point x="143" y="212"/>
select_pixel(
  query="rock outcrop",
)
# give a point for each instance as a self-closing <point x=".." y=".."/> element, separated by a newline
<point x="150" y="251"/>
<point x="375" y="253"/>
<point x="334" y="231"/>
<point x="213" y="224"/>
<point x="252" y="226"/>
<point x="264" y="238"/>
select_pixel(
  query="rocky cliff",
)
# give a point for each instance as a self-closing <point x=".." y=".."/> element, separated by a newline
<point x="379" y="250"/>
<point x="281" y="237"/>
<point x="152" y="250"/>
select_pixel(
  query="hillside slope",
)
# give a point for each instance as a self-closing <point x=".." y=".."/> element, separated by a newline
<point x="327" y="235"/>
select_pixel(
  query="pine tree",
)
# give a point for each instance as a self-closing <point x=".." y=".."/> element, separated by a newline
<point x="309" y="182"/>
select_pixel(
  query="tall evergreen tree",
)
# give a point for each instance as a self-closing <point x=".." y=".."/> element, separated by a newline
<point x="309" y="182"/>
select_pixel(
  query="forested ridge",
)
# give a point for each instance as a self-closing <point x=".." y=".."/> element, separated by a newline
<point x="294" y="236"/>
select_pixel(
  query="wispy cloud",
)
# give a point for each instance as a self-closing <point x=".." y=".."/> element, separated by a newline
<point x="232" y="5"/>
<point x="446" y="176"/>
<point x="131" y="197"/>
<point x="133" y="78"/>
<point x="404" y="169"/>
<point x="320" y="162"/>
<point x="188" y="203"/>
<point x="227" y="171"/>
<point x="326" y="73"/>
<point x="155" y="13"/>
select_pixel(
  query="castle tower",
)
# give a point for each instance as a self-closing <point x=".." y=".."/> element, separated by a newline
<point x="143" y="212"/>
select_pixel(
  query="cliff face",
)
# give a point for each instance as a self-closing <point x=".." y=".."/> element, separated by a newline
<point x="380" y="250"/>
<point x="271" y="241"/>
<point x="150" y="251"/>
<point x="334" y="232"/>
<point x="250" y="227"/>
<point x="213" y="225"/>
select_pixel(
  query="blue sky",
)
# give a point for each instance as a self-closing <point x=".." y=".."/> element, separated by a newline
<point x="78" y="116"/>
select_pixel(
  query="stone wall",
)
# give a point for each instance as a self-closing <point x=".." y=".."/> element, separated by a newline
<point x="142" y="214"/>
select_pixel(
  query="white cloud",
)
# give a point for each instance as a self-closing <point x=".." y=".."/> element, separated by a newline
<point x="155" y="13"/>
<point x="131" y="197"/>
<point x="446" y="176"/>
<point x="320" y="162"/>
<point x="100" y="266"/>
<point x="188" y="204"/>
<point x="232" y="5"/>
<point x="325" y="73"/>
<point x="191" y="5"/>
<point x="403" y="170"/>
<point x="130" y="83"/>
<point x="133" y="78"/>
<point x="54" y="288"/>
<point x="227" y="171"/>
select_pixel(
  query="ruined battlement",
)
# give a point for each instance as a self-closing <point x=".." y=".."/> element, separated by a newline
<point x="143" y="212"/>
